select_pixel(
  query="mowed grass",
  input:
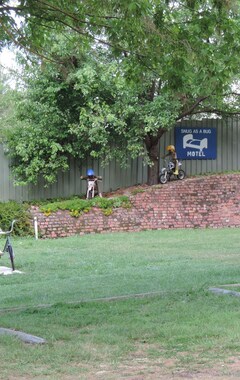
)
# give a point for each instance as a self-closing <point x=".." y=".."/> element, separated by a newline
<point x="60" y="297"/>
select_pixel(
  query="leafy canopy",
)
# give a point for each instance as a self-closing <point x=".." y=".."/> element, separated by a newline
<point x="117" y="75"/>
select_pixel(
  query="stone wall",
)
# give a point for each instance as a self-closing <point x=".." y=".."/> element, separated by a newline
<point x="211" y="201"/>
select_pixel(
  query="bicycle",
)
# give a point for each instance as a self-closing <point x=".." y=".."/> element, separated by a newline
<point x="8" y="246"/>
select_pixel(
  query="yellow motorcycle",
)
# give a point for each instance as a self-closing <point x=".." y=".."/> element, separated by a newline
<point x="168" y="171"/>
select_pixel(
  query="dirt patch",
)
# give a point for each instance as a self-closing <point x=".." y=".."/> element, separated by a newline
<point x="139" y="367"/>
<point x="142" y="368"/>
<point x="147" y="370"/>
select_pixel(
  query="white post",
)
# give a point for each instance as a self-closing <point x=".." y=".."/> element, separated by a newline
<point x="36" y="227"/>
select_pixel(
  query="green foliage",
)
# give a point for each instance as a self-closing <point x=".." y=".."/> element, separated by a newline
<point x="8" y="99"/>
<point x="108" y="211"/>
<point x="77" y="206"/>
<point x="137" y="191"/>
<point x="161" y="62"/>
<point x="18" y="211"/>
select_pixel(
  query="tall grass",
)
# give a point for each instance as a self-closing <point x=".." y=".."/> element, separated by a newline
<point x="57" y="298"/>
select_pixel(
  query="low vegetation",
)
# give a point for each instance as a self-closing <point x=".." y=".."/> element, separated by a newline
<point x="76" y="206"/>
<point x="19" y="211"/>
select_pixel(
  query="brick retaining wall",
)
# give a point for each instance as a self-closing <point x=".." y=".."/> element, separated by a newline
<point x="211" y="201"/>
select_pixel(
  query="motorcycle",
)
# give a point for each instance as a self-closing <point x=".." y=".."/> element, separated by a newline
<point x="168" y="171"/>
<point x="92" y="188"/>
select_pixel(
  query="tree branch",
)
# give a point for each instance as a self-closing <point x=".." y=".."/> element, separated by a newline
<point x="68" y="14"/>
<point x="190" y="110"/>
<point x="232" y="93"/>
<point x="216" y="111"/>
<point x="19" y="44"/>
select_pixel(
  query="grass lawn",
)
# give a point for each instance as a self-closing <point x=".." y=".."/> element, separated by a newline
<point x="178" y="327"/>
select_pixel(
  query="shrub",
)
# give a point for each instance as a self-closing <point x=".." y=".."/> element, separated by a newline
<point x="19" y="211"/>
<point x="108" y="211"/>
<point x="78" y="206"/>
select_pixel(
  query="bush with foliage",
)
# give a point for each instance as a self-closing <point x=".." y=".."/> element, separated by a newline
<point x="18" y="211"/>
<point x="77" y="206"/>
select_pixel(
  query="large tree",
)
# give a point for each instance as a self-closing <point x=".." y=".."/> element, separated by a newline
<point x="162" y="61"/>
<point x="86" y="109"/>
<point x="8" y="99"/>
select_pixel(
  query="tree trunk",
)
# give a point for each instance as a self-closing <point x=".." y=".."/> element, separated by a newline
<point x="153" y="171"/>
<point x="152" y="145"/>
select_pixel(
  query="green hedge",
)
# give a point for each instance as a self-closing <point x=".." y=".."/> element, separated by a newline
<point x="19" y="211"/>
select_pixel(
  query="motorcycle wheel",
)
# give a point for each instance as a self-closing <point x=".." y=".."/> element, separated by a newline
<point x="90" y="194"/>
<point x="181" y="174"/>
<point x="163" y="178"/>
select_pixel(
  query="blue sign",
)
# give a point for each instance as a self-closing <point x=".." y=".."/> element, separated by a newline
<point x="196" y="143"/>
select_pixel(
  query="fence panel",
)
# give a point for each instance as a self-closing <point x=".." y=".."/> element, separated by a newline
<point x="114" y="177"/>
